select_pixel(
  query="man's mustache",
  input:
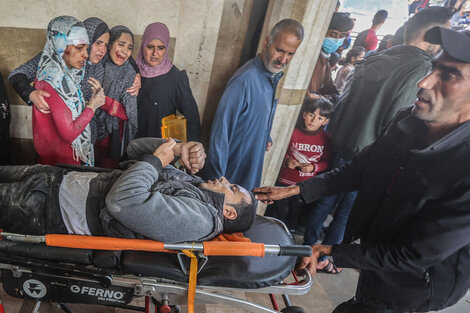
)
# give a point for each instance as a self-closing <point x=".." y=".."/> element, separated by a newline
<point x="276" y="62"/>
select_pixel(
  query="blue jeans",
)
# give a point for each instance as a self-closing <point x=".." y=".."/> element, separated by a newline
<point x="320" y="210"/>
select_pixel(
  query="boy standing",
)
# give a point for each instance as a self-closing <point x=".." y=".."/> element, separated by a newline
<point x="307" y="155"/>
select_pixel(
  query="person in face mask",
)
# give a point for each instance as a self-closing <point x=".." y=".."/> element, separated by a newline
<point x="321" y="83"/>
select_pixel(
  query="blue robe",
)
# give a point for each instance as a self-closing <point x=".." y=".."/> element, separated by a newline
<point x="242" y="125"/>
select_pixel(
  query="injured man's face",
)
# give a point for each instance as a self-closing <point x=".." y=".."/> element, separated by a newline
<point x="234" y="194"/>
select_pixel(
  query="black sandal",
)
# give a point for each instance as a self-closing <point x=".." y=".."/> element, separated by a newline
<point x="330" y="268"/>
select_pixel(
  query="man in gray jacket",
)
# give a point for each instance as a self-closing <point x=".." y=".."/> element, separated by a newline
<point x="151" y="199"/>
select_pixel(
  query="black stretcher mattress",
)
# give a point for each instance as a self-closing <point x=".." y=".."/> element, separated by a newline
<point x="234" y="271"/>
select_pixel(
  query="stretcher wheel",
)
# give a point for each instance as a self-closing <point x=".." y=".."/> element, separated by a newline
<point x="175" y="309"/>
<point x="293" y="309"/>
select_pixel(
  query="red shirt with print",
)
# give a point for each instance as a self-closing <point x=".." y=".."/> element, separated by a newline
<point x="306" y="148"/>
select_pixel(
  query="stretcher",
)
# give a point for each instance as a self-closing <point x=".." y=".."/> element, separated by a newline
<point x="43" y="273"/>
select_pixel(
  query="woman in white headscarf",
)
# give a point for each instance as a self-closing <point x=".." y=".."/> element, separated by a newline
<point x="64" y="135"/>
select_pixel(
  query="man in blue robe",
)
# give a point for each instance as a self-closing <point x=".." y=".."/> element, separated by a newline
<point x="241" y="129"/>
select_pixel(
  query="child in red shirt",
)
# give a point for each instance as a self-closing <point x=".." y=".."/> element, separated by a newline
<point x="307" y="155"/>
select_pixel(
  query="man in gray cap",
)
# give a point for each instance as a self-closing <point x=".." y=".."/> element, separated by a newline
<point x="412" y="212"/>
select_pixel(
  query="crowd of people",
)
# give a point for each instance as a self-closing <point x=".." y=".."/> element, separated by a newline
<point x="391" y="173"/>
<point x="112" y="98"/>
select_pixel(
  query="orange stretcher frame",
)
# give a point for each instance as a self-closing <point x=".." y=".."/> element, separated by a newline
<point x="208" y="248"/>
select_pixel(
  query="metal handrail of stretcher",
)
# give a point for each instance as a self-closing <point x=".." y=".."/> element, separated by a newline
<point x="156" y="287"/>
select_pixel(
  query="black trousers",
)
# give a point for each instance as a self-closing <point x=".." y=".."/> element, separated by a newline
<point x="29" y="202"/>
<point x="351" y="306"/>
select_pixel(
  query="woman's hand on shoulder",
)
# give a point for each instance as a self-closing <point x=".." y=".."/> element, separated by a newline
<point x="37" y="98"/>
<point x="137" y="83"/>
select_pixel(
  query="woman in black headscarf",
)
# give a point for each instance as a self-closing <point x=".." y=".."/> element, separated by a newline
<point x="115" y="131"/>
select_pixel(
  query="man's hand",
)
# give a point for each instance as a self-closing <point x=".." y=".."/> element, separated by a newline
<point x="37" y="98"/>
<point x="165" y="152"/>
<point x="292" y="163"/>
<point x="306" y="167"/>
<point x="134" y="89"/>
<point x="192" y="155"/>
<point x="270" y="193"/>
<point x="268" y="145"/>
<point x="310" y="262"/>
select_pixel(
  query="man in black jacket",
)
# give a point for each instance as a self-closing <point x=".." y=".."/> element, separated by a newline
<point x="412" y="212"/>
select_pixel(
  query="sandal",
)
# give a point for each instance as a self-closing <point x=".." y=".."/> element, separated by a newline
<point x="330" y="268"/>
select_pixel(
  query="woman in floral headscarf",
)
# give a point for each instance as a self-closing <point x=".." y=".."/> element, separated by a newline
<point x="165" y="89"/>
<point x="64" y="135"/>
<point x="22" y="77"/>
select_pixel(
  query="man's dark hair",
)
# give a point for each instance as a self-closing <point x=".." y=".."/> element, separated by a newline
<point x="325" y="107"/>
<point x="246" y="213"/>
<point x="354" y="53"/>
<point x="287" y="25"/>
<point x="380" y="17"/>
<point x="424" y="20"/>
<point x="341" y="22"/>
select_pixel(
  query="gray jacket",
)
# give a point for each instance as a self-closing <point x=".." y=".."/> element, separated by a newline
<point x="163" y="204"/>
<point x="382" y="84"/>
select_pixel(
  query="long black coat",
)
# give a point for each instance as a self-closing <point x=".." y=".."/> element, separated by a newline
<point x="412" y="215"/>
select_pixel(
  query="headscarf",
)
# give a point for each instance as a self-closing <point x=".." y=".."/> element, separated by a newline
<point x="115" y="83"/>
<point x="95" y="28"/>
<point x="61" y="31"/>
<point x="154" y="31"/>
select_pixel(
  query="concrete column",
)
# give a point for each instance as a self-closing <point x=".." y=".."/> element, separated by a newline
<point x="315" y="16"/>
<point x="232" y="31"/>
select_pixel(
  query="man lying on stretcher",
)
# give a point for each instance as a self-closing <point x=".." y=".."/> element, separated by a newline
<point x="150" y="199"/>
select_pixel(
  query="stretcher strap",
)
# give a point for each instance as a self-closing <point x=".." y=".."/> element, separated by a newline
<point x="233" y="249"/>
<point x="103" y="243"/>
<point x="192" y="280"/>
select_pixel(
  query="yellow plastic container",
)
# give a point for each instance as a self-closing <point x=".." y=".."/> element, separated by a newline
<point x="174" y="126"/>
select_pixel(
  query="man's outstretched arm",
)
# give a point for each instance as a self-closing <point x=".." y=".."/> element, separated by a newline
<point x="339" y="180"/>
<point x="439" y="230"/>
